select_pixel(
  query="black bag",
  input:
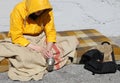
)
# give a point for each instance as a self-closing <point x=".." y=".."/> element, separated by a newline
<point x="93" y="54"/>
<point x="93" y="60"/>
<point x="98" y="67"/>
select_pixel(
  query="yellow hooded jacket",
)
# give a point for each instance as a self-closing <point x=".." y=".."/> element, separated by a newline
<point x="21" y="24"/>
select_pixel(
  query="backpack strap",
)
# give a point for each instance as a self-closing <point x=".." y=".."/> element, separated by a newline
<point x="117" y="65"/>
<point x="113" y="57"/>
<point x="112" y="51"/>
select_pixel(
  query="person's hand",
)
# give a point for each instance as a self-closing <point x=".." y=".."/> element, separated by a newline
<point x="50" y="54"/>
<point x="49" y="48"/>
<point x="43" y="50"/>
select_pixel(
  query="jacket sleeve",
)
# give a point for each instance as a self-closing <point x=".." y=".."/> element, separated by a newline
<point x="49" y="27"/>
<point x="16" y="28"/>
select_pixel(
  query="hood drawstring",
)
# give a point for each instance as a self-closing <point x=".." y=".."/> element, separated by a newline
<point x="25" y="21"/>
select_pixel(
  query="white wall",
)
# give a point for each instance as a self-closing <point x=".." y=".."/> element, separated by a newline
<point x="103" y="15"/>
<point x="5" y="8"/>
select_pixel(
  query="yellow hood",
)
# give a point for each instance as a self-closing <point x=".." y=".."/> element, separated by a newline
<point x="36" y="5"/>
<point x="20" y="23"/>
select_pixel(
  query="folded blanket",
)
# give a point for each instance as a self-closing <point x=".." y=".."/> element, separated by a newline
<point x="89" y="38"/>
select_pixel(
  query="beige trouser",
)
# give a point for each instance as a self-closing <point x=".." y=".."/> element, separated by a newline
<point x="28" y="64"/>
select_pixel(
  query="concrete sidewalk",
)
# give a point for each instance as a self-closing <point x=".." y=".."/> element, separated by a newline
<point x="70" y="74"/>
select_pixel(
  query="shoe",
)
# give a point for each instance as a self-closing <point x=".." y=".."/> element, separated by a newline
<point x="50" y="64"/>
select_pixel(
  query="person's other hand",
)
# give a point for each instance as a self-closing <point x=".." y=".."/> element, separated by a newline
<point x="43" y="50"/>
